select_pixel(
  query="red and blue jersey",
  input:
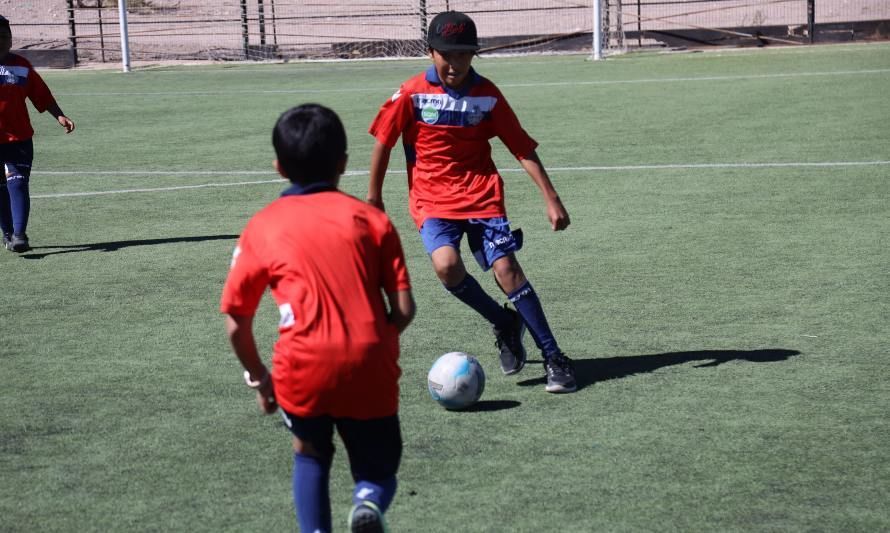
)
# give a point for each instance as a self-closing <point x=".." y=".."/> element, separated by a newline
<point x="326" y="257"/>
<point x="18" y="81"/>
<point x="446" y="137"/>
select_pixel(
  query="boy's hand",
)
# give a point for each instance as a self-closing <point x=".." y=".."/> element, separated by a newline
<point x="66" y="123"/>
<point x="265" y="391"/>
<point x="265" y="398"/>
<point x="557" y="214"/>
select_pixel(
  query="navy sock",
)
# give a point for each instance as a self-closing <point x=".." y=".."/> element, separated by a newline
<point x="471" y="293"/>
<point x="312" y="499"/>
<point x="380" y="492"/>
<point x="19" y="201"/>
<point x="5" y="211"/>
<point x="529" y="306"/>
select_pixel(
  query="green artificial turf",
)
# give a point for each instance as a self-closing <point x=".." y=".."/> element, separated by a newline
<point x="723" y="290"/>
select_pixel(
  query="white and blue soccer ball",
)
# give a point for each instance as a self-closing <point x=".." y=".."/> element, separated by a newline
<point x="456" y="380"/>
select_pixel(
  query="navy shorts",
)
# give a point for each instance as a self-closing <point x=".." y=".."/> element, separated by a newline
<point x="18" y="155"/>
<point x="374" y="446"/>
<point x="489" y="238"/>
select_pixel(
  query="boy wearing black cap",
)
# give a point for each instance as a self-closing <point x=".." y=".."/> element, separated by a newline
<point x="446" y="117"/>
<point x="18" y="81"/>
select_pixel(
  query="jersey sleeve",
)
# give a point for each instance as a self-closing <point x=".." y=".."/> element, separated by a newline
<point x="394" y="270"/>
<point x="393" y="118"/>
<point x="509" y="130"/>
<point x="246" y="282"/>
<point x="38" y="92"/>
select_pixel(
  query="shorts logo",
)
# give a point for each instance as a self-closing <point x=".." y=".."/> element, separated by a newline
<point x="500" y="241"/>
<point x="430" y="114"/>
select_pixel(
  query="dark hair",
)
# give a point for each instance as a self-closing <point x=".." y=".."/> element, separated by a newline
<point x="4" y="22"/>
<point x="310" y="143"/>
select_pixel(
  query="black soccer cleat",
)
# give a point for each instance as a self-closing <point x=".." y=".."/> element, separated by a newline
<point x="509" y="342"/>
<point x="18" y="243"/>
<point x="560" y="374"/>
<point x="367" y="518"/>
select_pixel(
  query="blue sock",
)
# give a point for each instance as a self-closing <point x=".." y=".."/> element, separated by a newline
<point x="312" y="499"/>
<point x="381" y="492"/>
<point x="526" y="301"/>
<point x="19" y="201"/>
<point x="5" y="211"/>
<point x="471" y="293"/>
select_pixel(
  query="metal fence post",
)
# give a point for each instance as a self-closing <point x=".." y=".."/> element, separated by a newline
<point x="244" y="29"/>
<point x="811" y="20"/>
<point x="72" y="30"/>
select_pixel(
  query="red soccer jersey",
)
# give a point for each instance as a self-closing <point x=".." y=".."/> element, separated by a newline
<point x="446" y="136"/>
<point x="326" y="257"/>
<point x="19" y="80"/>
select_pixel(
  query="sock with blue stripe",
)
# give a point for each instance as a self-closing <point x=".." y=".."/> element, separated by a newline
<point x="471" y="293"/>
<point x="380" y="492"/>
<point x="312" y="498"/>
<point x="19" y="202"/>
<point x="526" y="301"/>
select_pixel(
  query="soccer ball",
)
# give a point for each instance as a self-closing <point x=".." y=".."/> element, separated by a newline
<point x="456" y="380"/>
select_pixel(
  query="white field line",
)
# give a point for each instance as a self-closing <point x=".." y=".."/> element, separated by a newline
<point x="280" y="181"/>
<point x="532" y="84"/>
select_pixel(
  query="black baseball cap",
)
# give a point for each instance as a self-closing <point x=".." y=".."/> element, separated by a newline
<point x="452" y="31"/>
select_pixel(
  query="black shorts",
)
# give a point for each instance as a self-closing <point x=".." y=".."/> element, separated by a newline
<point x="374" y="446"/>
<point x="20" y="154"/>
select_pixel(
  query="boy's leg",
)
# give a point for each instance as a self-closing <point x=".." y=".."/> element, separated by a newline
<point x="375" y="451"/>
<point x="560" y="372"/>
<point x="313" y="454"/>
<point x="442" y="241"/>
<point x="494" y="245"/>
<point x="17" y="176"/>
<point x="17" y="158"/>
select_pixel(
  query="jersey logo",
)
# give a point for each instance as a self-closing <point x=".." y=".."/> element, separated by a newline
<point x="475" y="115"/>
<point x="429" y="114"/>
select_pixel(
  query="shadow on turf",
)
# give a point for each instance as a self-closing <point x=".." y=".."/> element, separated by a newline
<point x="589" y="371"/>
<point x="114" y="246"/>
<point x="491" y="405"/>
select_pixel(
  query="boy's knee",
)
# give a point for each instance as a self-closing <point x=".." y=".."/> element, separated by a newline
<point x="302" y="447"/>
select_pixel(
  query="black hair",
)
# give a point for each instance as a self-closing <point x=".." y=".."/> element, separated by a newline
<point x="4" y="22"/>
<point x="310" y="143"/>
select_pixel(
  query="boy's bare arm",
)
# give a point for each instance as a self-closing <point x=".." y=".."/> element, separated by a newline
<point x="379" y="164"/>
<point x="240" y="332"/>
<point x="402" y="309"/>
<point x="556" y="212"/>
<point x="60" y="117"/>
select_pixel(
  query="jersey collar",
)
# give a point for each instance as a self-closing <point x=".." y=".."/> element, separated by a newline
<point x="472" y="79"/>
<point x="300" y="190"/>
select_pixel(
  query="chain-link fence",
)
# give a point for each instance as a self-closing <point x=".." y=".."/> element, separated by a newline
<point x="290" y="29"/>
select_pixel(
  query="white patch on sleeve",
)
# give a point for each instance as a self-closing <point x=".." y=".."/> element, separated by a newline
<point x="396" y="95"/>
<point x="235" y="253"/>
<point x="287" y="315"/>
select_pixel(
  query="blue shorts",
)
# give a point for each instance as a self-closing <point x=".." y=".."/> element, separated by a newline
<point x="489" y="238"/>
<point x="374" y="446"/>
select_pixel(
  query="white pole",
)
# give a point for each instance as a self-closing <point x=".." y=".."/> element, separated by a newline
<point x="125" y="39"/>
<point x="597" y="30"/>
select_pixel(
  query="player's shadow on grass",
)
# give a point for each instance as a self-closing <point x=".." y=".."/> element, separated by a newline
<point x="589" y="371"/>
<point x="114" y="246"/>
<point x="484" y="406"/>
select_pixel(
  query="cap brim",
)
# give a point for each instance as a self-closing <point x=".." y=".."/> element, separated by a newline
<point x="455" y="47"/>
